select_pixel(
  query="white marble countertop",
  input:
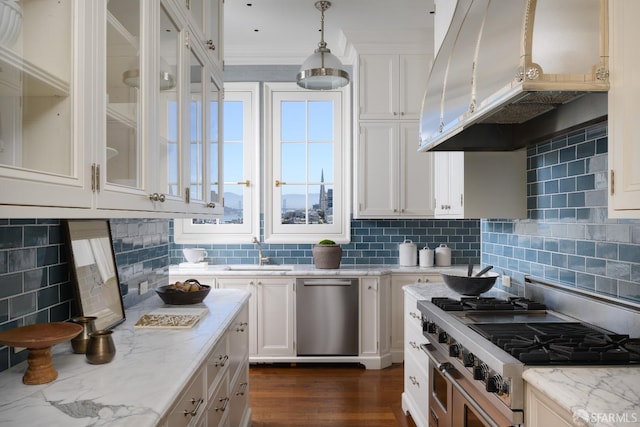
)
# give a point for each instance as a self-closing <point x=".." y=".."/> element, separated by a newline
<point x="594" y="396"/>
<point x="136" y="388"/>
<point x="304" y="270"/>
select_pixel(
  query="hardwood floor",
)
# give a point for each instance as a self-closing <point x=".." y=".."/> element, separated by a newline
<point x="326" y="395"/>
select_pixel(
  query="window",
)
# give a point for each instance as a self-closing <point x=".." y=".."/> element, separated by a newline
<point x="241" y="220"/>
<point x="306" y="165"/>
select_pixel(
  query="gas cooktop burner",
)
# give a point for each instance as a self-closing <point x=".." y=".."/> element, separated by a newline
<point x="561" y="343"/>
<point x="486" y="303"/>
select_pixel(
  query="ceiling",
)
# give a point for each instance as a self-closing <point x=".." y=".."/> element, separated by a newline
<point x="289" y="30"/>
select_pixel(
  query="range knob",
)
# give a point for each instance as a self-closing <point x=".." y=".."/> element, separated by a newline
<point x="494" y="384"/>
<point x="454" y="350"/>
<point x="442" y="337"/>
<point x="480" y="371"/>
<point x="431" y="327"/>
<point x="468" y="359"/>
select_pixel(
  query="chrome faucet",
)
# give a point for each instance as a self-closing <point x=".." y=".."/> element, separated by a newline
<point x="261" y="259"/>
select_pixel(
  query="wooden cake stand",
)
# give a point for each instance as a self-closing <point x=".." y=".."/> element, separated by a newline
<point x="38" y="339"/>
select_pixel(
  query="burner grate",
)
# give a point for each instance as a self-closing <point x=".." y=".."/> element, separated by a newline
<point x="561" y="343"/>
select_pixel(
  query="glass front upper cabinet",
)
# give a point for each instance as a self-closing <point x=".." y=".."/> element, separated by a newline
<point x="123" y="98"/>
<point x="207" y="15"/>
<point x="38" y="141"/>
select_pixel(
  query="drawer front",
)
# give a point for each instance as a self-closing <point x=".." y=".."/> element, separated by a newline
<point x="411" y="313"/>
<point x="190" y="404"/>
<point x="238" y="342"/>
<point x="217" y="364"/>
<point x="219" y="404"/>
<point x="239" y="397"/>
<point x="413" y="340"/>
<point x="416" y="385"/>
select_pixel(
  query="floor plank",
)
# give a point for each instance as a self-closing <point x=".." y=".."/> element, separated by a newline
<point x="326" y="395"/>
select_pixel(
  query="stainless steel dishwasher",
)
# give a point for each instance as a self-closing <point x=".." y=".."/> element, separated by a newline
<point x="327" y="317"/>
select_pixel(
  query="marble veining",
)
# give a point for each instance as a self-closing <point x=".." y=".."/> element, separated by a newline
<point x="150" y="369"/>
<point x="593" y="396"/>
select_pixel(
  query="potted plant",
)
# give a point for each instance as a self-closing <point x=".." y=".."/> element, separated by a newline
<point x="326" y="254"/>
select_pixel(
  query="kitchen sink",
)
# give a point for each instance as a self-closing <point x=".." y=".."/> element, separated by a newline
<point x="249" y="267"/>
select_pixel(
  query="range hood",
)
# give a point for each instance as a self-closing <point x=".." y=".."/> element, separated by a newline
<point x="510" y="73"/>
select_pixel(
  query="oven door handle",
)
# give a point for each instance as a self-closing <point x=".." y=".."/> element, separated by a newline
<point x="444" y="367"/>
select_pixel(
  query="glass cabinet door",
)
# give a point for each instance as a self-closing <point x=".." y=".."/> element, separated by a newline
<point x="215" y="148"/>
<point x="38" y="140"/>
<point x="123" y="97"/>
<point x="196" y="129"/>
<point x="169" y="109"/>
<point x="207" y="15"/>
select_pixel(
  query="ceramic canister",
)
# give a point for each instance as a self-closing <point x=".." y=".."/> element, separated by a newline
<point x="443" y="256"/>
<point x="426" y="257"/>
<point x="408" y="253"/>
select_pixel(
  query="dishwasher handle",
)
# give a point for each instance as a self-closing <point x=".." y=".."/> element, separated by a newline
<point x="328" y="282"/>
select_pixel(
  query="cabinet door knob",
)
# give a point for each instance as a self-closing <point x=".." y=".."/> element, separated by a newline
<point x="210" y="45"/>
<point x="211" y="205"/>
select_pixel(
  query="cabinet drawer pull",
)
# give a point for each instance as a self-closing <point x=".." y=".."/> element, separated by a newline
<point x="225" y="402"/>
<point x="414" y="381"/>
<point x="210" y="45"/>
<point x="415" y="316"/>
<point x="221" y="361"/>
<point x="243" y="389"/>
<point x="414" y="345"/>
<point x="195" y="410"/>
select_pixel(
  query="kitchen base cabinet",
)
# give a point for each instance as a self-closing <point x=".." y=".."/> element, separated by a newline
<point x="541" y="411"/>
<point x="216" y="394"/>
<point x="397" y="309"/>
<point x="271" y="314"/>
<point x="415" y="397"/>
<point x="375" y="325"/>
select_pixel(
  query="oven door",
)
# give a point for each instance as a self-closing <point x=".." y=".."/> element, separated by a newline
<point x="453" y="401"/>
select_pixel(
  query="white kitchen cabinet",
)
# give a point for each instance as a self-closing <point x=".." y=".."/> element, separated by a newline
<point x="480" y="184"/>
<point x="271" y="314"/>
<point x="393" y="179"/>
<point x="208" y="23"/>
<point x="102" y="126"/>
<point x="391" y="86"/>
<point x="542" y="411"/>
<point x="375" y="325"/>
<point x="398" y="309"/>
<point x="43" y="156"/>
<point x="623" y="149"/>
<point x="415" y="397"/>
<point x="217" y="393"/>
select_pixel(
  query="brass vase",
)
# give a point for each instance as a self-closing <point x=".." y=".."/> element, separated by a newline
<point x="79" y="343"/>
<point x="101" y="348"/>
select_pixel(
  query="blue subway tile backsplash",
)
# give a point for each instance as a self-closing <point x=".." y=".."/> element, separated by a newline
<point x="568" y="237"/>
<point x="372" y="242"/>
<point x="35" y="282"/>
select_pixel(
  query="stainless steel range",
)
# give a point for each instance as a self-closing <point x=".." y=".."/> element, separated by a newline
<point x="479" y="347"/>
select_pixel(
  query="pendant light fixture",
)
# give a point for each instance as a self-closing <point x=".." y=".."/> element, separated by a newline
<point x="322" y="70"/>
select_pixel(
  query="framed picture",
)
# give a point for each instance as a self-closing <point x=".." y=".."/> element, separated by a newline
<point x="94" y="274"/>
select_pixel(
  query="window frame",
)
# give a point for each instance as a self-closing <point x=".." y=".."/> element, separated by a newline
<point x="340" y="230"/>
<point x="185" y="232"/>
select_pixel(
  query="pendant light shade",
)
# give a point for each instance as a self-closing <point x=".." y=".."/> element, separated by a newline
<point x="322" y="70"/>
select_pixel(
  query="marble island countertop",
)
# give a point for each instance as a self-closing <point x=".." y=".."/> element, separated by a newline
<point x="137" y="387"/>
<point x="303" y="270"/>
<point x="594" y="396"/>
